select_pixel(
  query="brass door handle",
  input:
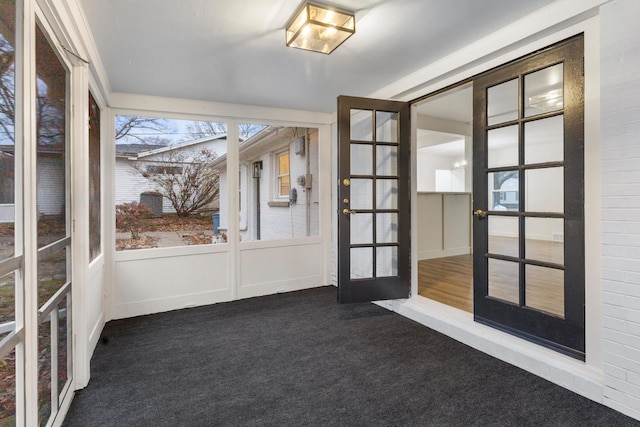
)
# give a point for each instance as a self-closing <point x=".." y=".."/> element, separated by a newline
<point x="480" y="213"/>
<point x="348" y="211"/>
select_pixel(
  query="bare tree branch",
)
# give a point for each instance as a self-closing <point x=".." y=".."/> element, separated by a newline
<point x="189" y="183"/>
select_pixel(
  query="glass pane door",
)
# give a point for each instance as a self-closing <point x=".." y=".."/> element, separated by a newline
<point x="373" y="200"/>
<point x="528" y="198"/>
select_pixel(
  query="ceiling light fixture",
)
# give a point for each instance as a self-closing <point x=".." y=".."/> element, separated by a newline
<point x="319" y="28"/>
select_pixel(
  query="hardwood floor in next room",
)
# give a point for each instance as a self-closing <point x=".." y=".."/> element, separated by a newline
<point x="448" y="280"/>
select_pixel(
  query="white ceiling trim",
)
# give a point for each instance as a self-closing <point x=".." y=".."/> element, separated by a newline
<point x="174" y="108"/>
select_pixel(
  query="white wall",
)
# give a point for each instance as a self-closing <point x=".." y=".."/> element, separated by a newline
<point x="444" y="225"/>
<point x="428" y="163"/>
<point x="620" y="91"/>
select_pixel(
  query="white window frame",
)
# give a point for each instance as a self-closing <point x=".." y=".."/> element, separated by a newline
<point x="276" y="174"/>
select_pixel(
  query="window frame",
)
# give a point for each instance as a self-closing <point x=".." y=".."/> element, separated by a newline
<point x="277" y="176"/>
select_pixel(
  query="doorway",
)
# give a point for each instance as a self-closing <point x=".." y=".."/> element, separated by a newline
<point x="444" y="183"/>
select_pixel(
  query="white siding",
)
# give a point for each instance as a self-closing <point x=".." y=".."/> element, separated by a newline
<point x="7" y="213"/>
<point x="620" y="91"/>
<point x="51" y="185"/>
<point x="130" y="183"/>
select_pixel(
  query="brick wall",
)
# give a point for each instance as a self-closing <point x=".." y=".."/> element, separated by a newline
<point x="620" y="92"/>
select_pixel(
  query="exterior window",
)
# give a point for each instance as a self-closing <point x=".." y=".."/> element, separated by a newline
<point x="168" y="182"/>
<point x="282" y="167"/>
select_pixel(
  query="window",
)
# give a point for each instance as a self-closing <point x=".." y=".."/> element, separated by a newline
<point x="283" y="184"/>
<point x="94" y="179"/>
<point x="168" y="182"/>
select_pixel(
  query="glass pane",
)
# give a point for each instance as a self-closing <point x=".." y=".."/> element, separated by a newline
<point x="361" y="263"/>
<point x="545" y="239"/>
<point x="545" y="190"/>
<point x="361" y="194"/>
<point x="361" y="228"/>
<point x="386" y="160"/>
<point x="8" y="390"/>
<point x="387" y="228"/>
<point x="545" y="289"/>
<point x="263" y="214"/>
<point x="7" y="304"/>
<point x="7" y="132"/>
<point x="504" y="232"/>
<point x="169" y="177"/>
<point x="63" y="345"/>
<point x="44" y="372"/>
<point x="543" y="90"/>
<point x="361" y="159"/>
<point x="94" y="179"/>
<point x="502" y="102"/>
<point x="51" y="82"/>
<point x="386" y="126"/>
<point x="52" y="274"/>
<point x="503" y="191"/>
<point x="502" y="147"/>
<point x="361" y="125"/>
<point x="387" y="193"/>
<point x="544" y="140"/>
<point x="387" y="261"/>
<point x="504" y="282"/>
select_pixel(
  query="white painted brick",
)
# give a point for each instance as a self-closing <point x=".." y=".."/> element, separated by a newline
<point x="615" y="371"/>
<point x="617" y="300"/>
<point x="622" y="386"/>
<point x="615" y="324"/>
<point x="634" y="329"/>
<point x="632" y="281"/>
<point x="621" y="215"/>
<point x="624" y="338"/>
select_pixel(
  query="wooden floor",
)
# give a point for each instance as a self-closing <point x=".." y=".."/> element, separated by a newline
<point x="448" y="280"/>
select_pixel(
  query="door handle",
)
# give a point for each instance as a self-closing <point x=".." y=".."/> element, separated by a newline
<point x="480" y="213"/>
<point x="348" y="211"/>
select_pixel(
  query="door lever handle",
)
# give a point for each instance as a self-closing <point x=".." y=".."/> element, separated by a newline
<point x="480" y="213"/>
<point x="348" y="211"/>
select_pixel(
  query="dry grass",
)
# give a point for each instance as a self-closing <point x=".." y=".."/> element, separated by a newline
<point x="143" y="242"/>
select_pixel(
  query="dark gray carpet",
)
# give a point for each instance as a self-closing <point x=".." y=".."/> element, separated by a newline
<point x="301" y="359"/>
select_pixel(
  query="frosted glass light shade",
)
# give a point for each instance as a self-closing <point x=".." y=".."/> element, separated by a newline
<point x="319" y="28"/>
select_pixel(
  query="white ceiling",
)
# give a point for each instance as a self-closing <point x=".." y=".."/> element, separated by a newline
<point x="234" y="51"/>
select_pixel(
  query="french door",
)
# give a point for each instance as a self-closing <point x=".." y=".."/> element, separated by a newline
<point x="373" y="205"/>
<point x="528" y="197"/>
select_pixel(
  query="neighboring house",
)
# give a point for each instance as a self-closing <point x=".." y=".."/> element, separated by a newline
<point x="7" y="207"/>
<point x="50" y="182"/>
<point x="278" y="195"/>
<point x="132" y="159"/>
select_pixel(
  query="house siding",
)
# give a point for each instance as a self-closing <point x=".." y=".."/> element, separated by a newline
<point x="620" y="109"/>
<point x="51" y="185"/>
<point x="130" y="183"/>
<point x="280" y="222"/>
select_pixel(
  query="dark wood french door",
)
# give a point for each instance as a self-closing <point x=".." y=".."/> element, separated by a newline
<point x="373" y="199"/>
<point x="528" y="197"/>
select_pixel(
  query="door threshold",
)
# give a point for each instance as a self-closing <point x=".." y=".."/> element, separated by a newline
<point x="562" y="370"/>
